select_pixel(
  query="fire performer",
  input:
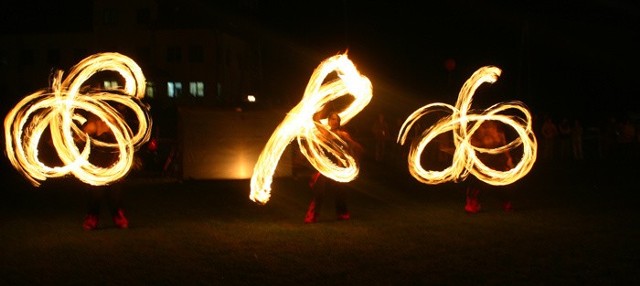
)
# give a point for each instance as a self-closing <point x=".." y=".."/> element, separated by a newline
<point x="334" y="78"/>
<point x="319" y="183"/>
<point x="480" y="148"/>
<point x="489" y="135"/>
<point x="88" y="133"/>
<point x="101" y="156"/>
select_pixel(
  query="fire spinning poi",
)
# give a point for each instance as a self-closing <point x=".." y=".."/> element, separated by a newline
<point x="56" y="109"/>
<point x="299" y="124"/>
<point x="463" y="125"/>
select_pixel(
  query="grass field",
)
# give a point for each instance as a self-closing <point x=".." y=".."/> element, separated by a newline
<point x="573" y="225"/>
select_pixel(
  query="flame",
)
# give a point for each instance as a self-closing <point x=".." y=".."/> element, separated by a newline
<point x="56" y="109"/>
<point x="463" y="125"/>
<point x="299" y="124"/>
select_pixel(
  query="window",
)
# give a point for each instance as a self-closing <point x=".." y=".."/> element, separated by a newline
<point x="150" y="92"/>
<point x="110" y="84"/>
<point x="196" y="89"/>
<point x="174" y="89"/>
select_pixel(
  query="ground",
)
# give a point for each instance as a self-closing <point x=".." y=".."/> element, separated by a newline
<point x="574" y="223"/>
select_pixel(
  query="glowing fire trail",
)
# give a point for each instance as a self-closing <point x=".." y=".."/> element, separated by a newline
<point x="299" y="124"/>
<point x="463" y="125"/>
<point x="56" y="108"/>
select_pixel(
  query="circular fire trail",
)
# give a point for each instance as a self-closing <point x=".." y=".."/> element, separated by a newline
<point x="463" y="125"/>
<point x="63" y="108"/>
<point x="299" y="124"/>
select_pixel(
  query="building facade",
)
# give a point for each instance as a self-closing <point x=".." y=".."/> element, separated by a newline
<point x="191" y="52"/>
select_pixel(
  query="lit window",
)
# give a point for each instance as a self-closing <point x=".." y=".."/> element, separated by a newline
<point x="149" y="90"/>
<point x="110" y="84"/>
<point x="196" y="88"/>
<point x="174" y="89"/>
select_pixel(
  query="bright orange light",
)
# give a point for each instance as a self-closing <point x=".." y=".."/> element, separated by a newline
<point x="299" y="124"/>
<point x="56" y="108"/>
<point x="463" y="125"/>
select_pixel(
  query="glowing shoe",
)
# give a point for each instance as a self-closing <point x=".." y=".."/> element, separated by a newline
<point x="311" y="216"/>
<point x="90" y="222"/>
<point x="120" y="220"/>
<point x="310" y="219"/>
<point x="507" y="206"/>
<point x="472" y="206"/>
<point x="344" y="216"/>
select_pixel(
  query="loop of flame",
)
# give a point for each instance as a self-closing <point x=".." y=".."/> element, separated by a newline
<point x="299" y="124"/>
<point x="56" y="108"/>
<point x="463" y="125"/>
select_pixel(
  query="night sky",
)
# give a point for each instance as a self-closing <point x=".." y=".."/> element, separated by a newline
<point x="562" y="56"/>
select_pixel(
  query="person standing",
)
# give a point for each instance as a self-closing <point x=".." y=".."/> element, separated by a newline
<point x="549" y="136"/>
<point x="488" y="135"/>
<point x="576" y="139"/>
<point x="320" y="184"/>
<point x="381" y="135"/>
<point x="564" y="135"/>
<point x="97" y="129"/>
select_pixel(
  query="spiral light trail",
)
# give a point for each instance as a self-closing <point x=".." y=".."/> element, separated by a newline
<point x="299" y="124"/>
<point x="61" y="109"/>
<point x="463" y="125"/>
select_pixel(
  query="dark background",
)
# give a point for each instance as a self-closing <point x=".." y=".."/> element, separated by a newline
<point x="568" y="58"/>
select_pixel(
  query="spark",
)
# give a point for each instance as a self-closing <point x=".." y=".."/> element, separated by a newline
<point x="56" y="109"/>
<point x="318" y="147"/>
<point x="463" y="125"/>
